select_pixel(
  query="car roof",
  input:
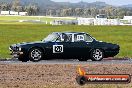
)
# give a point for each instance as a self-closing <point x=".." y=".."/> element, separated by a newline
<point x="69" y="32"/>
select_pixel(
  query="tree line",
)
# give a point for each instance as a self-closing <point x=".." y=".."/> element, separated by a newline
<point x="33" y="9"/>
<point x="111" y="12"/>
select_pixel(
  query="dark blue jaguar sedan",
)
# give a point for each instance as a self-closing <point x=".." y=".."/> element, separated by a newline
<point x="65" y="45"/>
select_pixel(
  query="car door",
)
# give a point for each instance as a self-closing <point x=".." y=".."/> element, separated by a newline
<point x="62" y="47"/>
<point x="71" y="48"/>
<point x="81" y="45"/>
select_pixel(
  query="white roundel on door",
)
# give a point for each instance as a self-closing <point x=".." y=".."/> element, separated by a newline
<point x="57" y="48"/>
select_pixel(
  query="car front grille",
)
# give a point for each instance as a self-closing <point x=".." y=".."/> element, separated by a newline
<point x="13" y="48"/>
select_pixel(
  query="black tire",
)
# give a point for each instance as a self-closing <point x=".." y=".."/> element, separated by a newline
<point x="82" y="59"/>
<point x="35" y="54"/>
<point x="81" y="80"/>
<point x="97" y="55"/>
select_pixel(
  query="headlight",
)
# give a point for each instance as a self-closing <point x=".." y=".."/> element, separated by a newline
<point x="19" y="48"/>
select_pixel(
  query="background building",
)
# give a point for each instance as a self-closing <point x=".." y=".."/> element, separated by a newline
<point x="13" y="13"/>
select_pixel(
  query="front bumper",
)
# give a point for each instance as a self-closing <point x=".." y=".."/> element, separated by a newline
<point x="17" y="54"/>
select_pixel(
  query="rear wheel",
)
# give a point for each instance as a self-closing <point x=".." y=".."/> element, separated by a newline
<point x="97" y="55"/>
<point x="35" y="54"/>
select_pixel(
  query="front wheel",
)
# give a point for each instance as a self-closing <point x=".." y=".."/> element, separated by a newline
<point x="97" y="55"/>
<point x="35" y="54"/>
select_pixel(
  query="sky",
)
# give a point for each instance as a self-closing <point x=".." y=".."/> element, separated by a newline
<point x="111" y="2"/>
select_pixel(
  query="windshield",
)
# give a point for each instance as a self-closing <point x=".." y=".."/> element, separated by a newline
<point x="51" y="38"/>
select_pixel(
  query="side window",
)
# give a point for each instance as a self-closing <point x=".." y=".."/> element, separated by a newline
<point x="79" y="37"/>
<point x="58" y="39"/>
<point x="69" y="37"/>
<point x="65" y="38"/>
<point x="88" y="38"/>
<point x="82" y="38"/>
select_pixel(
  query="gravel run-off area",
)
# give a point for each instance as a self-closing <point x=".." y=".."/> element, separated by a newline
<point x="36" y="75"/>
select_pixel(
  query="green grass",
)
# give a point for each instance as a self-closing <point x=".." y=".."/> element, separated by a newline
<point x="16" y="33"/>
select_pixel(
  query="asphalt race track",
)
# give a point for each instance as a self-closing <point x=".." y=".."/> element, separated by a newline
<point x="72" y="61"/>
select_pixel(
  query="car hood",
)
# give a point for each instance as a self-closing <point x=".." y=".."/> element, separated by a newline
<point x="106" y="43"/>
<point x="26" y="43"/>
